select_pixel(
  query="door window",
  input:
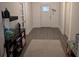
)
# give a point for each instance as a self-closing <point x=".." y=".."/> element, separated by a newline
<point x="45" y="9"/>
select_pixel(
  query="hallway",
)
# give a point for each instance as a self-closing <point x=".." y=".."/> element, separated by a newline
<point x="47" y="28"/>
<point x="45" y="42"/>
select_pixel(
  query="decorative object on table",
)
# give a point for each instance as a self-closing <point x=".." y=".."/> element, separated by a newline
<point x="6" y="13"/>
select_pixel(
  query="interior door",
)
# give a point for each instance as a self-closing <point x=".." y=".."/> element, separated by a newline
<point x="45" y="15"/>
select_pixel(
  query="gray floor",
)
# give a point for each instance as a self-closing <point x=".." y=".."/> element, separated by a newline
<point x="45" y="33"/>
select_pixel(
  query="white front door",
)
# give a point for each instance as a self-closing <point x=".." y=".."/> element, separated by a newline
<point x="45" y="15"/>
<point x="49" y="14"/>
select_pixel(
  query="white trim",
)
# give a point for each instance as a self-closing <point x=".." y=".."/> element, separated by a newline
<point x="64" y="17"/>
<point x="70" y="21"/>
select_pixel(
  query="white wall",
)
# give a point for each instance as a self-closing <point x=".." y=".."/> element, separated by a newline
<point x="75" y="20"/>
<point x="28" y="17"/>
<point x="36" y="14"/>
<point x="62" y="17"/>
<point x="69" y="19"/>
<point x="72" y="25"/>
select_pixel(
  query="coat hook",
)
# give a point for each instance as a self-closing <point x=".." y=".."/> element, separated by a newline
<point x="54" y="10"/>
